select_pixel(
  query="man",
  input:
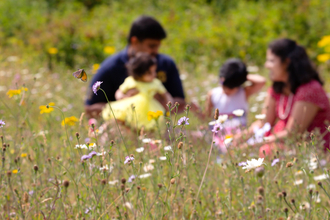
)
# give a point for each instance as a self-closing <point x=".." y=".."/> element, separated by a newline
<point x="145" y="35"/>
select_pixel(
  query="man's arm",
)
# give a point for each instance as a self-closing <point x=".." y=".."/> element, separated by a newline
<point x="94" y="110"/>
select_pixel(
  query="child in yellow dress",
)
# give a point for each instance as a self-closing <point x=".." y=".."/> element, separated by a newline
<point x="143" y="84"/>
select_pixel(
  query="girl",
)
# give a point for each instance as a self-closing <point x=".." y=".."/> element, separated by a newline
<point x="231" y="95"/>
<point x="142" y="85"/>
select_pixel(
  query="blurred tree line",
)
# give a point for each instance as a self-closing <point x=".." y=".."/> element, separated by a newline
<point x="80" y="33"/>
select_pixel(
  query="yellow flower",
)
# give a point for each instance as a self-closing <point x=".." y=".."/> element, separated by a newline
<point x="109" y="50"/>
<point x="15" y="171"/>
<point x="44" y="109"/>
<point x="154" y="115"/>
<point x="327" y="49"/>
<point x="96" y="66"/>
<point x="325" y="41"/>
<point x="323" y="57"/>
<point x="13" y="92"/>
<point x="70" y="121"/>
<point x="23" y="155"/>
<point x="52" y="50"/>
<point x="24" y="89"/>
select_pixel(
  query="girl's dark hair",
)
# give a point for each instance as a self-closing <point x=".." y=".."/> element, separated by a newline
<point x="300" y="68"/>
<point x="234" y="71"/>
<point x="140" y="64"/>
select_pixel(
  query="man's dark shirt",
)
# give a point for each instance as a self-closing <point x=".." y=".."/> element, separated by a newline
<point x="113" y="73"/>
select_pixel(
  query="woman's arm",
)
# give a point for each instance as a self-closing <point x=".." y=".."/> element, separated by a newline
<point x="257" y="83"/>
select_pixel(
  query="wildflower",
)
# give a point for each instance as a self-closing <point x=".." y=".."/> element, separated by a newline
<point x="88" y="156"/>
<point x="242" y="164"/>
<point x="131" y="178"/>
<point x="321" y="177"/>
<point x="260" y="117"/>
<point x="325" y="41"/>
<point x="238" y="112"/>
<point x="154" y="115"/>
<point x="180" y="145"/>
<point x="140" y="149"/>
<point x="183" y="121"/>
<point x="113" y="182"/>
<point x="289" y="164"/>
<point x="298" y="182"/>
<point x="52" y="50"/>
<point x="128" y="159"/>
<point x="167" y="148"/>
<point x="95" y="67"/>
<point x="162" y="158"/>
<point x="15" y="171"/>
<point x="216" y="128"/>
<point x="2" y="123"/>
<point x="144" y="175"/>
<point x="228" y="141"/>
<point x="66" y="183"/>
<point x="252" y="164"/>
<point x="101" y="154"/>
<point x="13" y="92"/>
<point x="46" y="108"/>
<point x="81" y="146"/>
<point x="71" y="121"/>
<point x="172" y="181"/>
<point x="96" y="86"/>
<point x="222" y="118"/>
<point x="24" y="89"/>
<point x="275" y="161"/>
<point x="323" y="57"/>
<point x="146" y="140"/>
<point x="109" y="50"/>
<point x="23" y="155"/>
<point x="148" y="167"/>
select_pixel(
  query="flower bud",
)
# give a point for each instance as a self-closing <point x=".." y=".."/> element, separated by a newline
<point x="123" y="180"/>
<point x="173" y="181"/>
<point x="36" y="168"/>
<point x="289" y="164"/>
<point x="66" y="183"/>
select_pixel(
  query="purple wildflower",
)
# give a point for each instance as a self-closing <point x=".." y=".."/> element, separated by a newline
<point x="89" y="156"/>
<point x="96" y="86"/>
<point x="128" y="159"/>
<point x="31" y="192"/>
<point x="183" y="121"/>
<point x="275" y="161"/>
<point x="2" y="123"/>
<point x="87" y="140"/>
<point x="242" y="164"/>
<point x="216" y="128"/>
<point x="131" y="178"/>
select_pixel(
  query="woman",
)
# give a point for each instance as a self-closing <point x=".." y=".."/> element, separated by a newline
<point x="296" y="102"/>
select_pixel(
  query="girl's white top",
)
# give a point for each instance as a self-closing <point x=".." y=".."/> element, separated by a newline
<point x="227" y="104"/>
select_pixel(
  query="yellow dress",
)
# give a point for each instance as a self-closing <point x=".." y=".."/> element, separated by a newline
<point x="143" y="101"/>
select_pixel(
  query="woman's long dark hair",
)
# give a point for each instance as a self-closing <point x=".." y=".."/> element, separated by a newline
<point x="300" y="68"/>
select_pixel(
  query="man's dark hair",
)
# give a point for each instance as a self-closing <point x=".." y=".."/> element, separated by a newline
<point x="146" y="27"/>
<point x="234" y="72"/>
<point x="300" y="68"/>
<point x="140" y="64"/>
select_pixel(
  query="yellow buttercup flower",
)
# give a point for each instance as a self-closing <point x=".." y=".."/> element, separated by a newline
<point x="325" y="41"/>
<point x="23" y="155"/>
<point x="109" y="50"/>
<point x="71" y="121"/>
<point x="327" y="49"/>
<point x="44" y="109"/>
<point x="15" y="171"/>
<point x="52" y="50"/>
<point x="24" y="89"/>
<point x="154" y="115"/>
<point x="13" y="92"/>
<point x="323" y="57"/>
<point x="96" y="67"/>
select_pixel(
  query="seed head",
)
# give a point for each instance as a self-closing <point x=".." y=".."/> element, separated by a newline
<point x="112" y="142"/>
<point x="284" y="194"/>
<point x="311" y="192"/>
<point x="104" y="181"/>
<point x="180" y="145"/>
<point x="176" y="104"/>
<point x="138" y="187"/>
<point x="123" y="180"/>
<point x="36" y="168"/>
<point x="261" y="190"/>
<point x="169" y="104"/>
<point x="320" y="184"/>
<point x="77" y="134"/>
<point x="66" y="183"/>
<point x="280" y="195"/>
<point x="9" y="173"/>
<point x="26" y="197"/>
<point x="289" y="164"/>
<point x="216" y="114"/>
<point x="293" y="201"/>
<point x="285" y="210"/>
<point x="173" y="181"/>
<point x="4" y="149"/>
<point x="160" y="185"/>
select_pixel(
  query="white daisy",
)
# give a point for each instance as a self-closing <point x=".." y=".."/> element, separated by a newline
<point x="222" y="118"/>
<point x="104" y="168"/>
<point x="162" y="158"/>
<point x="114" y="182"/>
<point x="298" y="182"/>
<point x="140" y="149"/>
<point x="321" y="177"/>
<point x="167" y="148"/>
<point x="91" y="146"/>
<point x="148" y="167"/>
<point x="252" y="164"/>
<point x="146" y="140"/>
<point x="81" y="146"/>
<point x="228" y="141"/>
<point x="260" y="116"/>
<point x="144" y="175"/>
<point x="238" y="112"/>
<point x="152" y="161"/>
<point x="101" y="154"/>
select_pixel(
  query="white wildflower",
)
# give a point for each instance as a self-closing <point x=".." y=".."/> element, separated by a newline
<point x="140" y="149"/>
<point x="81" y="146"/>
<point x="298" y="182"/>
<point x="252" y="164"/>
<point x="228" y="141"/>
<point x="148" y="167"/>
<point x="321" y="177"/>
<point x="162" y="158"/>
<point x="238" y="112"/>
<point x="152" y="161"/>
<point x="144" y="175"/>
<point x="91" y="146"/>
<point x="260" y="116"/>
<point x="114" y="182"/>
<point x="146" y="140"/>
<point x="167" y="148"/>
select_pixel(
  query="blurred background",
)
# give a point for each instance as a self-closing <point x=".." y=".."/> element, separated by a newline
<point x="38" y="37"/>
